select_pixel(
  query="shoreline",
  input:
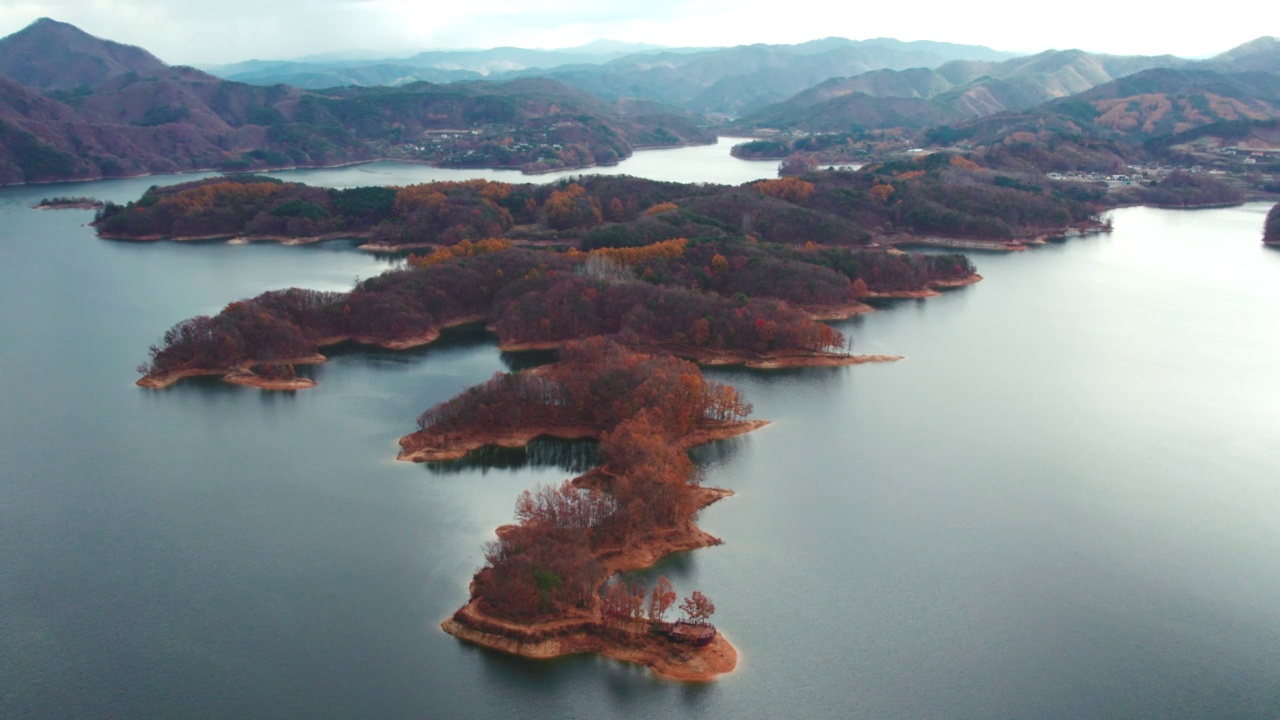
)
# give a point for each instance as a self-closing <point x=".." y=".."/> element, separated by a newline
<point x="708" y="357"/>
<point x="934" y="289"/>
<point x="421" y="446"/>
<point x="586" y="631"/>
<point x="664" y="658"/>
<point x="242" y="374"/>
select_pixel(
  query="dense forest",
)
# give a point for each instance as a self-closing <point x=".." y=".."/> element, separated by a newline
<point x="527" y="297"/>
<point x="940" y="194"/>
<point x="642" y="407"/>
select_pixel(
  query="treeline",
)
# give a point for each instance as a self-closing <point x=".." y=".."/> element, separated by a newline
<point x="940" y="194"/>
<point x="527" y="296"/>
<point x="445" y="212"/>
<point x="680" y="320"/>
<point x="395" y="306"/>
<point x="642" y="406"/>
<point x="820" y="147"/>
<point x="1182" y="189"/>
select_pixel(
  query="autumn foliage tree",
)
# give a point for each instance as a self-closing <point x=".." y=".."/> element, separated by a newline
<point x="697" y="608"/>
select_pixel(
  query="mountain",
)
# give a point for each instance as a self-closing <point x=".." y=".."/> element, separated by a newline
<point x="733" y="81"/>
<point x="177" y="118"/>
<point x="315" y="76"/>
<point x="1261" y="54"/>
<point x="955" y="91"/>
<point x="433" y="66"/>
<point x="52" y="55"/>
<point x="1150" y="114"/>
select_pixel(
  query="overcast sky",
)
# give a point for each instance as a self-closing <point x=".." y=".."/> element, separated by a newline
<point x="191" y="32"/>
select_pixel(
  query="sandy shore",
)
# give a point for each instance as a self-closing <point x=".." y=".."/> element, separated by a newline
<point x="239" y="375"/>
<point x="935" y="286"/>
<point x="836" y="312"/>
<point x="667" y="659"/>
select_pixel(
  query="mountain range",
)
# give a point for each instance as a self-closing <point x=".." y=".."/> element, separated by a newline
<point x="726" y="81"/>
<point x="73" y="106"/>
<point x="963" y="90"/>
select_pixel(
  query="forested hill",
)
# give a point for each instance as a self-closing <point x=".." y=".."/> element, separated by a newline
<point x="140" y="117"/>
<point x="1126" y="120"/>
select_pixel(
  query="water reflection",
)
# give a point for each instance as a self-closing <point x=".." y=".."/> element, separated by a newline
<point x="455" y="339"/>
<point x="574" y="456"/>
<point x="528" y="359"/>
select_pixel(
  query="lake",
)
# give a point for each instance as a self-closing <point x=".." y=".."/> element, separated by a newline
<point x="1062" y="504"/>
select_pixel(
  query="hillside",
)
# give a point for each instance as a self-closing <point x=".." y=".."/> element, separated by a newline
<point x="169" y="119"/>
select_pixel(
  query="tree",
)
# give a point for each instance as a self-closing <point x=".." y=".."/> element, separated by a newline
<point x="697" y="608"/>
<point x="661" y="599"/>
<point x="797" y="165"/>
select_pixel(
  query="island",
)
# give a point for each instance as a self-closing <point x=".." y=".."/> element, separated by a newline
<point x="549" y="586"/>
<point x="1271" y="229"/>
<point x="70" y="203"/>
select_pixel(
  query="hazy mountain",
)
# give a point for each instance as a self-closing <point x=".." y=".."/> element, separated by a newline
<point x="733" y="81"/>
<point x="433" y="66"/>
<point x="315" y="76"/>
<point x="957" y="90"/>
<point x="1261" y="54"/>
<point x="48" y="54"/>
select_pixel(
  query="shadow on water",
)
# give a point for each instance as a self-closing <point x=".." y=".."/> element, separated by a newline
<point x="575" y="456"/>
<point x="716" y="454"/>
<point x="462" y="337"/>
<point x="528" y="359"/>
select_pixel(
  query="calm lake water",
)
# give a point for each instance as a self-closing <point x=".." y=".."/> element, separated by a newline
<point x="1061" y="505"/>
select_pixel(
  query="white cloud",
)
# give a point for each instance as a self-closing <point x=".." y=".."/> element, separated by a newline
<point x="187" y="31"/>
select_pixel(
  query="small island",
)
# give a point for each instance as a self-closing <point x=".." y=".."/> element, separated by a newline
<point x="1271" y="230"/>
<point x="548" y="587"/>
<point x="70" y="203"/>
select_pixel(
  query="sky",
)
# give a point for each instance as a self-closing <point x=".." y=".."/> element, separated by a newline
<point x="191" y="32"/>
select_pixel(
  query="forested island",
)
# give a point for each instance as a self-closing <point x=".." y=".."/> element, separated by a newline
<point x="545" y="589"/>
<point x="1271" y="230"/>
<point x="70" y="203"/>
<point x="940" y="194"/>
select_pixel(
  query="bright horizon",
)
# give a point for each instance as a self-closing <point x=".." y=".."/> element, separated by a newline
<point x="183" y="32"/>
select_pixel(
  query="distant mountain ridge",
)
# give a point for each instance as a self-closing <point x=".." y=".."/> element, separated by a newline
<point x="715" y="80"/>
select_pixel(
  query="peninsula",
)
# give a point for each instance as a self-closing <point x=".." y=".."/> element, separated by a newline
<point x="545" y="590"/>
